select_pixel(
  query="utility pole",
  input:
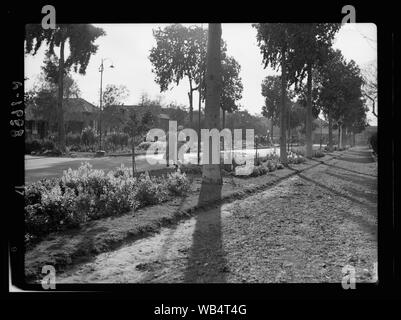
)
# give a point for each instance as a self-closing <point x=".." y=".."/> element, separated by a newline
<point x="101" y="69"/>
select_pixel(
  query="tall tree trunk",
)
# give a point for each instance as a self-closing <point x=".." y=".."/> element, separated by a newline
<point x="271" y="131"/>
<point x="283" y="113"/>
<point x="191" y="107"/>
<point x="330" y="132"/>
<point x="199" y="120"/>
<point x="339" y="136"/>
<point x="289" y="129"/>
<point x="224" y="119"/>
<point x="60" y="113"/>
<point x="309" y="113"/>
<point x="211" y="172"/>
<point x="133" y="158"/>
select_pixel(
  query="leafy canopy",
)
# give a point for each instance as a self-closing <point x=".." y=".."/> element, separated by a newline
<point x="80" y="38"/>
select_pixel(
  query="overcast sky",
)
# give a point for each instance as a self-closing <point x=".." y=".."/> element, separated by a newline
<point x="128" y="46"/>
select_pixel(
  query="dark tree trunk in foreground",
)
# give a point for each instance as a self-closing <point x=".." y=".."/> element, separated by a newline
<point x="309" y="113"/>
<point x="211" y="172"/>
<point x="60" y="113"/>
<point x="133" y="158"/>
<point x="271" y="131"/>
<point x="191" y="107"/>
<point x="283" y="113"/>
<point x="330" y="133"/>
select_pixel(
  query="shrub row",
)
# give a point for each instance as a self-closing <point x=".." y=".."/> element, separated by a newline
<point x="39" y="146"/>
<point x="87" y="194"/>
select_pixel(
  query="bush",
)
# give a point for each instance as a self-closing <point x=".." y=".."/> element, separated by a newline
<point x="299" y="152"/>
<point x="373" y="142"/>
<point x="88" y="136"/>
<point x="122" y="171"/>
<point x="318" y="154"/>
<point x="87" y="194"/>
<point x="294" y="158"/>
<point x="55" y="211"/>
<point x="177" y="183"/>
<point x="191" y="168"/>
<point x="32" y="146"/>
<point x="34" y="191"/>
<point x="117" y="139"/>
<point x="144" y="146"/>
<point x="49" y="145"/>
<point x="271" y="165"/>
<point x="149" y="191"/>
<point x="73" y="139"/>
<point x="39" y="146"/>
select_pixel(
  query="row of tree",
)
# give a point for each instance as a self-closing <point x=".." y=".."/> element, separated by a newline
<point x="333" y="86"/>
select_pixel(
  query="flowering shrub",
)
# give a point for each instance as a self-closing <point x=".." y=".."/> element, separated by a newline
<point x="34" y="191"/>
<point x="177" y="183"/>
<point x="318" y="154"/>
<point x="294" y="158"/>
<point x="258" y="171"/>
<point x="271" y="165"/>
<point x="122" y="171"/>
<point x="86" y="178"/>
<point x="150" y="190"/>
<point x="87" y="194"/>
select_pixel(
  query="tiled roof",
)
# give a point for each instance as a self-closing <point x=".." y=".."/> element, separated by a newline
<point x="74" y="109"/>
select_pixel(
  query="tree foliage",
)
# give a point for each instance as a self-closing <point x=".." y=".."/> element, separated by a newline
<point x="80" y="37"/>
<point x="115" y="95"/>
<point x="180" y="53"/>
<point x="231" y="84"/>
<point x="271" y="91"/>
<point x="340" y="94"/>
<point x="275" y="43"/>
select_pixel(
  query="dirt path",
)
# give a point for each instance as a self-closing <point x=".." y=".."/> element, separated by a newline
<point x="304" y="229"/>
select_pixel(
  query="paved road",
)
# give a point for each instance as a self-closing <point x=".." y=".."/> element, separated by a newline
<point x="37" y="168"/>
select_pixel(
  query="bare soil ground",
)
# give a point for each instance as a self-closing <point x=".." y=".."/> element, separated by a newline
<point x="305" y="228"/>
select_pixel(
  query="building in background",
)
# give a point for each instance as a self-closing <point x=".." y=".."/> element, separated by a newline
<point x="78" y="114"/>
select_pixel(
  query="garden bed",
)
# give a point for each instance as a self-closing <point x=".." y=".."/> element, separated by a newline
<point x="64" y="248"/>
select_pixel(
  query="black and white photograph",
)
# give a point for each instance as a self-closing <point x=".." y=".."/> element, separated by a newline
<point x="198" y="153"/>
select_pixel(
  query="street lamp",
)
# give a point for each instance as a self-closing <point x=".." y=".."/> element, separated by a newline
<point x="101" y="69"/>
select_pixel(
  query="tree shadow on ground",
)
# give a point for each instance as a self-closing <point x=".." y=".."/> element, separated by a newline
<point x="372" y="210"/>
<point x="357" y="159"/>
<point x="348" y="170"/>
<point x="206" y="260"/>
<point x="358" y="192"/>
<point x="365" y="153"/>
<point x="365" y="181"/>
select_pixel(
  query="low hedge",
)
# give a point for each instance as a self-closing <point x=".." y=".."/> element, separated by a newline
<point x="88" y="194"/>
